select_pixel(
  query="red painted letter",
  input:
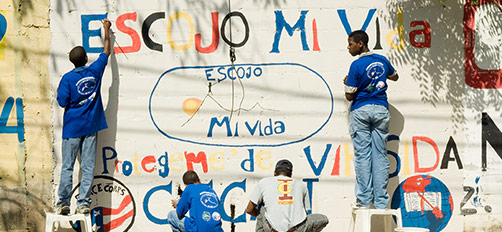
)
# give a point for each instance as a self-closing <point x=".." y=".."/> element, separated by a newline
<point x="136" y="42"/>
<point x="148" y="160"/>
<point x="336" y="165"/>
<point x="199" y="158"/>
<point x="426" y="32"/>
<point x="216" y="37"/>
<point x="415" y="154"/>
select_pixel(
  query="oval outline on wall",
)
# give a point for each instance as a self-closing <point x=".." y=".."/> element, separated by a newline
<point x="241" y="145"/>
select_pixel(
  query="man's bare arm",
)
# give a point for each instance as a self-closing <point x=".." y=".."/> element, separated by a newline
<point x="107" y="45"/>
<point x="251" y="209"/>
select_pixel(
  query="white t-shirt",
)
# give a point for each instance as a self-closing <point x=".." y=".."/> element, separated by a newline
<point x="285" y="200"/>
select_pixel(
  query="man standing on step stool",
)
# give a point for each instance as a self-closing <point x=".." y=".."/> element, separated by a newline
<point x="80" y="95"/>
<point x="365" y="86"/>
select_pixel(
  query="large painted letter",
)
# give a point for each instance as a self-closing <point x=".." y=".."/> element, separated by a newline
<point x="221" y="206"/>
<point x="317" y="170"/>
<point x="310" y="189"/>
<point x="105" y="159"/>
<point x="492" y="135"/>
<point x="399" y="31"/>
<point x="146" y="201"/>
<point x="446" y="157"/>
<point x="87" y="33"/>
<point x="246" y="29"/>
<point x="214" y="121"/>
<point x="415" y="154"/>
<point x="3" y="31"/>
<point x="136" y="42"/>
<point x="169" y="31"/>
<point x="426" y="32"/>
<point x="215" y="37"/>
<point x="4" y="117"/>
<point x="343" y="17"/>
<point x="146" y="28"/>
<point x="280" y="24"/>
<point x="199" y="158"/>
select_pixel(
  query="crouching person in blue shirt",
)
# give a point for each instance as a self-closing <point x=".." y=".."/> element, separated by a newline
<point x="201" y="201"/>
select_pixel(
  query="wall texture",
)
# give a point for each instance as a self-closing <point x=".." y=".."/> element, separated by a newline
<point x="175" y="101"/>
<point x="26" y="172"/>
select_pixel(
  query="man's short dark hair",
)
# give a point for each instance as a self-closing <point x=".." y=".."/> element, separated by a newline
<point x="78" y="56"/>
<point x="284" y="167"/>
<point x="358" y="36"/>
<point x="190" y="177"/>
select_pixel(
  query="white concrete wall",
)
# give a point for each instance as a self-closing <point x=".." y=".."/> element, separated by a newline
<point x="288" y="104"/>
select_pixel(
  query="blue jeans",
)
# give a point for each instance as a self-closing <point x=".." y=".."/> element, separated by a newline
<point x="87" y="147"/>
<point x="178" y="225"/>
<point x="369" y="129"/>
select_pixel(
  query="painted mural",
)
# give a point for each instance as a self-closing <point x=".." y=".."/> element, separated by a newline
<point x="227" y="88"/>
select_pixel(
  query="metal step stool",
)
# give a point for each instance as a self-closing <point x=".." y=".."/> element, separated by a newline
<point x="51" y="218"/>
<point x="361" y="218"/>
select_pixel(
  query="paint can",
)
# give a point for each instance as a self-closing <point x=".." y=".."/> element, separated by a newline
<point x="411" y="229"/>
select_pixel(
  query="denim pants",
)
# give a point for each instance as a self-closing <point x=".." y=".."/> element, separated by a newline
<point x="178" y="225"/>
<point x="87" y="147"/>
<point x="369" y="129"/>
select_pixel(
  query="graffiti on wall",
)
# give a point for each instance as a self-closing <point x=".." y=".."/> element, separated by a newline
<point x="191" y="105"/>
<point x="113" y="206"/>
<point x="267" y="110"/>
<point x="424" y="201"/>
<point x="3" y="31"/>
<point x="483" y="69"/>
<point x="16" y="127"/>
<point x="419" y="37"/>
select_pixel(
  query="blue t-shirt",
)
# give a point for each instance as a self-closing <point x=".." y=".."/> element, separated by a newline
<point x="368" y="75"/>
<point x="80" y="96"/>
<point x="203" y="204"/>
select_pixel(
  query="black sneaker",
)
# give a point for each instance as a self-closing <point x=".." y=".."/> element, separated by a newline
<point x="83" y="209"/>
<point x="63" y="209"/>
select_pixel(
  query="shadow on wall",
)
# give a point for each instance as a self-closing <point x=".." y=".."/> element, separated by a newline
<point x="439" y="70"/>
<point x="21" y="210"/>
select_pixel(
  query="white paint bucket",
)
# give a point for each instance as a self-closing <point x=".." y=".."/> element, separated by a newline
<point x="411" y="229"/>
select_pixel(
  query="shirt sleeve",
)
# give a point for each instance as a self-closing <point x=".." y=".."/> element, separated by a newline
<point x="100" y="64"/>
<point x="184" y="203"/>
<point x="63" y="95"/>
<point x="392" y="70"/>
<point x="256" y="196"/>
<point x="352" y="79"/>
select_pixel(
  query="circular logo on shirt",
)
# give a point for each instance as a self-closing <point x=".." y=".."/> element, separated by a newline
<point x="206" y="216"/>
<point x="208" y="199"/>
<point x="86" y="85"/>
<point x="375" y="70"/>
<point x="216" y="216"/>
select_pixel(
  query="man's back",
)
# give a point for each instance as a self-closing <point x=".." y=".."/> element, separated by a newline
<point x="79" y="93"/>
<point x="203" y="204"/>
<point x="369" y="75"/>
<point x="285" y="200"/>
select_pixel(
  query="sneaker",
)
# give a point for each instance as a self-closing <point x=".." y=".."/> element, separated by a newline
<point x="63" y="209"/>
<point x="356" y="205"/>
<point x="83" y="209"/>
